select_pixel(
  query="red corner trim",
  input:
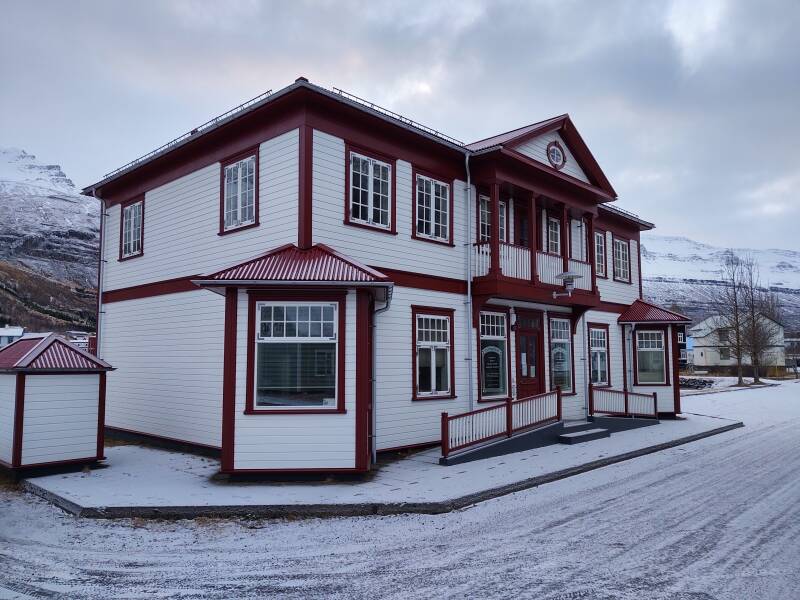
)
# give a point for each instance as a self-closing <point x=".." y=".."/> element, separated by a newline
<point x="19" y="415"/>
<point x="229" y="378"/>
<point x="305" y="215"/>
<point x="101" y="418"/>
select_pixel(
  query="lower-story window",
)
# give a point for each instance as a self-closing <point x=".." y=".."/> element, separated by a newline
<point x="433" y="352"/>
<point x="598" y="345"/>
<point x="296" y="355"/>
<point x="494" y="356"/>
<point x="561" y="355"/>
<point x="650" y="358"/>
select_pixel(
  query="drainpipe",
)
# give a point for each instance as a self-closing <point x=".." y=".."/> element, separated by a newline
<point x="100" y="270"/>
<point x="468" y="302"/>
<point x="375" y="313"/>
<point x="586" y="366"/>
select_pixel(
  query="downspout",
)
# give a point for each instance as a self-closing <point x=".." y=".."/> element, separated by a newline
<point x="375" y="313"/>
<point x="100" y="270"/>
<point x="468" y="302"/>
<point x="586" y="367"/>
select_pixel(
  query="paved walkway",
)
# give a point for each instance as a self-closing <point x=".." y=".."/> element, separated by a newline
<point x="149" y="482"/>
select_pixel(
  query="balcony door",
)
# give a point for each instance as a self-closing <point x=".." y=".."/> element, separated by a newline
<point x="530" y="353"/>
<point x="521" y="225"/>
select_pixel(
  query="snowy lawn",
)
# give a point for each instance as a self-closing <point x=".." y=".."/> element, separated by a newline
<point x="716" y="519"/>
<point x="146" y="477"/>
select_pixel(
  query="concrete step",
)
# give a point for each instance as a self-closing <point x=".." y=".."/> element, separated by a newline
<point x="583" y="436"/>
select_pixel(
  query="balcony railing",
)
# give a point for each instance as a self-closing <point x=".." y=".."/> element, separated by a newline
<point x="515" y="261"/>
<point x="584" y="269"/>
<point x="548" y="266"/>
<point x="622" y="403"/>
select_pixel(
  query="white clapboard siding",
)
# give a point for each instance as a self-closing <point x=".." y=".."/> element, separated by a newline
<point x="536" y="148"/>
<point x="167" y="351"/>
<point x="298" y="441"/>
<point x="8" y="387"/>
<point x="60" y="421"/>
<point x="181" y="221"/>
<point x="617" y="291"/>
<point x="374" y="247"/>
<point x="402" y="421"/>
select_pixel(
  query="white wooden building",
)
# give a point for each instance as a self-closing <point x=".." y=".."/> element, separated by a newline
<point x="713" y="341"/>
<point x="52" y="397"/>
<point x="310" y="280"/>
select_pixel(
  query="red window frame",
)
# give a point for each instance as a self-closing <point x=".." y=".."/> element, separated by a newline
<point x="340" y="297"/>
<point x="225" y="163"/>
<point x="605" y="254"/>
<point x="122" y="207"/>
<point x="667" y="341"/>
<point x="569" y="318"/>
<point x="414" y="235"/>
<point x="546" y="237"/>
<point x="437" y="312"/>
<point x="488" y="196"/>
<point x="604" y="326"/>
<point x="351" y="148"/>
<point x="507" y="312"/>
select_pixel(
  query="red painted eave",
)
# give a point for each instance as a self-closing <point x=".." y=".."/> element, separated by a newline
<point x="644" y="312"/>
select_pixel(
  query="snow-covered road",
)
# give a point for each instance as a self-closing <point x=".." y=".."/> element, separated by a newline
<point x="715" y="519"/>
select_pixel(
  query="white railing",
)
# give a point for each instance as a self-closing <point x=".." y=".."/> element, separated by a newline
<point x="548" y="266"/>
<point x="534" y="410"/>
<point x="481" y="258"/>
<point x="502" y="420"/>
<point x="622" y="403"/>
<point x="584" y="269"/>
<point x="515" y="261"/>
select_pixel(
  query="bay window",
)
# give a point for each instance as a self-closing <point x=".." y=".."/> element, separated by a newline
<point x="239" y="193"/>
<point x="296" y="355"/>
<point x="370" y="191"/>
<point x="598" y="349"/>
<point x="494" y="355"/>
<point x="600" y="253"/>
<point x="561" y="355"/>
<point x="622" y="260"/>
<point x="433" y="209"/>
<point x="553" y="235"/>
<point x="433" y="347"/>
<point x="650" y="358"/>
<point x="132" y="229"/>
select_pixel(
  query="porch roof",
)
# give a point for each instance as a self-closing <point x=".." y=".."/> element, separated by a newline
<point x="644" y="312"/>
<point x="319" y="264"/>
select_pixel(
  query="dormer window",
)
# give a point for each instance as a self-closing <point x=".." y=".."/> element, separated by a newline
<point x="240" y="192"/>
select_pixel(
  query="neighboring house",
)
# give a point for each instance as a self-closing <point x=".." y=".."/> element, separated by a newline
<point x="10" y="334"/>
<point x="311" y="279"/>
<point x="683" y="354"/>
<point x="712" y="345"/>
<point x="792" y="345"/>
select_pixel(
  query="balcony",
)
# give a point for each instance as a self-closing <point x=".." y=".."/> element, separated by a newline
<point x="516" y="263"/>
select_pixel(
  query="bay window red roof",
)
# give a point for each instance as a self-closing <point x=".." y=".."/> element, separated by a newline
<point x="48" y="352"/>
<point x="290" y="264"/>
<point x="644" y="312"/>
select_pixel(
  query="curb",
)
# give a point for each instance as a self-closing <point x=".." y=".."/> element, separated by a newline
<point x="277" y="511"/>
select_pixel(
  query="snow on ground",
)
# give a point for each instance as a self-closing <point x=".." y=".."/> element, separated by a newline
<point x="721" y="383"/>
<point x="716" y="519"/>
<point x="139" y="476"/>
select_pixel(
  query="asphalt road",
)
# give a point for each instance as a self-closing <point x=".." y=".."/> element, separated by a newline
<point x="715" y="519"/>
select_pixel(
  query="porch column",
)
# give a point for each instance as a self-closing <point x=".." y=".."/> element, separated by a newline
<point x="565" y="229"/>
<point x="494" y="201"/>
<point x="533" y="237"/>
<point x="590" y="252"/>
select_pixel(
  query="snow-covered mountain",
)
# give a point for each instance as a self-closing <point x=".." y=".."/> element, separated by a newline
<point x="681" y="272"/>
<point x="46" y="226"/>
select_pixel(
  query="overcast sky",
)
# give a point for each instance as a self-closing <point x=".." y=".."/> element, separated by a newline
<point x="692" y="108"/>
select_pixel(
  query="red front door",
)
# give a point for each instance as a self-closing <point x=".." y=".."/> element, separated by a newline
<point x="530" y="349"/>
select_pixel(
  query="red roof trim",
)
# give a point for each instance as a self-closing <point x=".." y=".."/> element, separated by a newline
<point x="320" y="263"/>
<point x="644" y="312"/>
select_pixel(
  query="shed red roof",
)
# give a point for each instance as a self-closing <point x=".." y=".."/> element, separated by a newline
<point x="292" y="264"/>
<point x="48" y="352"/>
<point x="644" y="312"/>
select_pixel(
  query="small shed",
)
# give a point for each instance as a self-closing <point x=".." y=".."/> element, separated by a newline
<point x="52" y="403"/>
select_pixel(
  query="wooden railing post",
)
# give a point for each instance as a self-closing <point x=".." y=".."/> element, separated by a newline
<point x="509" y="418"/>
<point x="445" y="435"/>
<point x="558" y="403"/>
<point x="626" y="401"/>
<point x="591" y="400"/>
<point x="655" y="405"/>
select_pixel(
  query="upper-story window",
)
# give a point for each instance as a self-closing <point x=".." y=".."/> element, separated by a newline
<point x="600" y="253"/>
<point x="239" y="193"/>
<point x="553" y="235"/>
<point x="370" y="191"/>
<point x="681" y="337"/>
<point x="432" y="209"/>
<point x="485" y="220"/>
<point x="132" y="229"/>
<point x="622" y="260"/>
